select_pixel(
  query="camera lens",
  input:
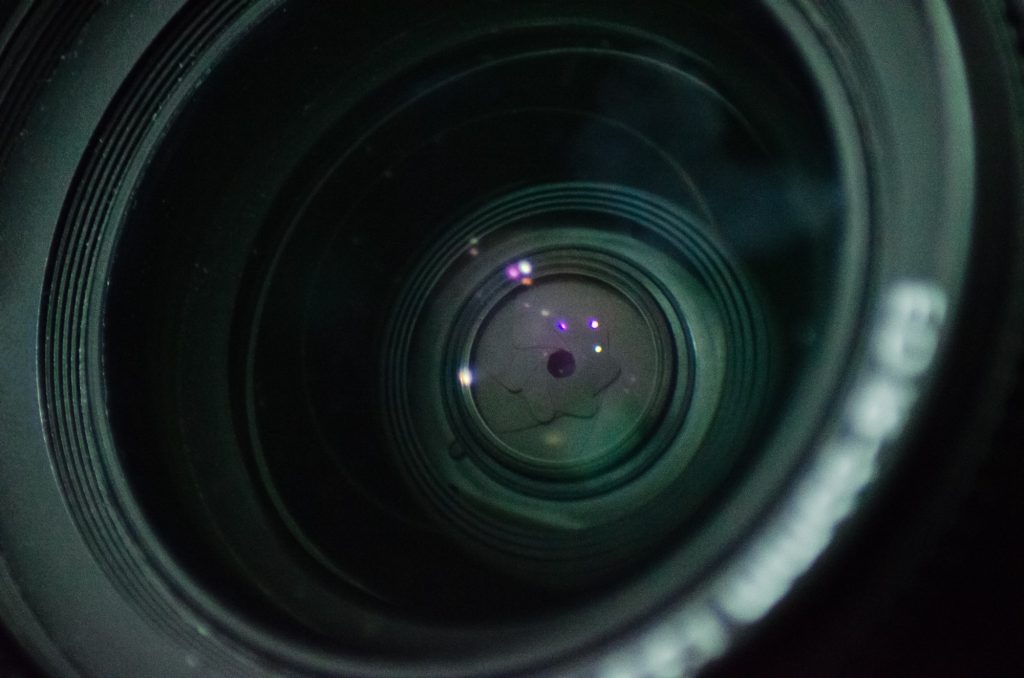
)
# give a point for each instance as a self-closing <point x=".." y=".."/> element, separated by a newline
<point x="584" y="369"/>
<point x="488" y="316"/>
<point x="484" y="338"/>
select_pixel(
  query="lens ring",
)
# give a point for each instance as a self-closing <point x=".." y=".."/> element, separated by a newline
<point x="685" y="287"/>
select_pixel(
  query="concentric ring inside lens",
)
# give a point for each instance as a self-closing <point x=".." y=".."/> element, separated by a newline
<point x="351" y="350"/>
<point x="571" y="353"/>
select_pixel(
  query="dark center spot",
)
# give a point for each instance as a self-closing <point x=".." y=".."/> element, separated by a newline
<point x="561" y="364"/>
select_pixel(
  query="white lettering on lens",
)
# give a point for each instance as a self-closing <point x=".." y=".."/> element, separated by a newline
<point x="903" y="348"/>
<point x="908" y="340"/>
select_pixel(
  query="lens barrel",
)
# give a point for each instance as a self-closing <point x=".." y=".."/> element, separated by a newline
<point x="493" y="338"/>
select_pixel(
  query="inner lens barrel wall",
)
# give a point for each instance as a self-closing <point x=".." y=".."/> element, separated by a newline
<point x="337" y="299"/>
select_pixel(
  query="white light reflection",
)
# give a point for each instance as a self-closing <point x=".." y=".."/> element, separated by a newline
<point x="466" y="377"/>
